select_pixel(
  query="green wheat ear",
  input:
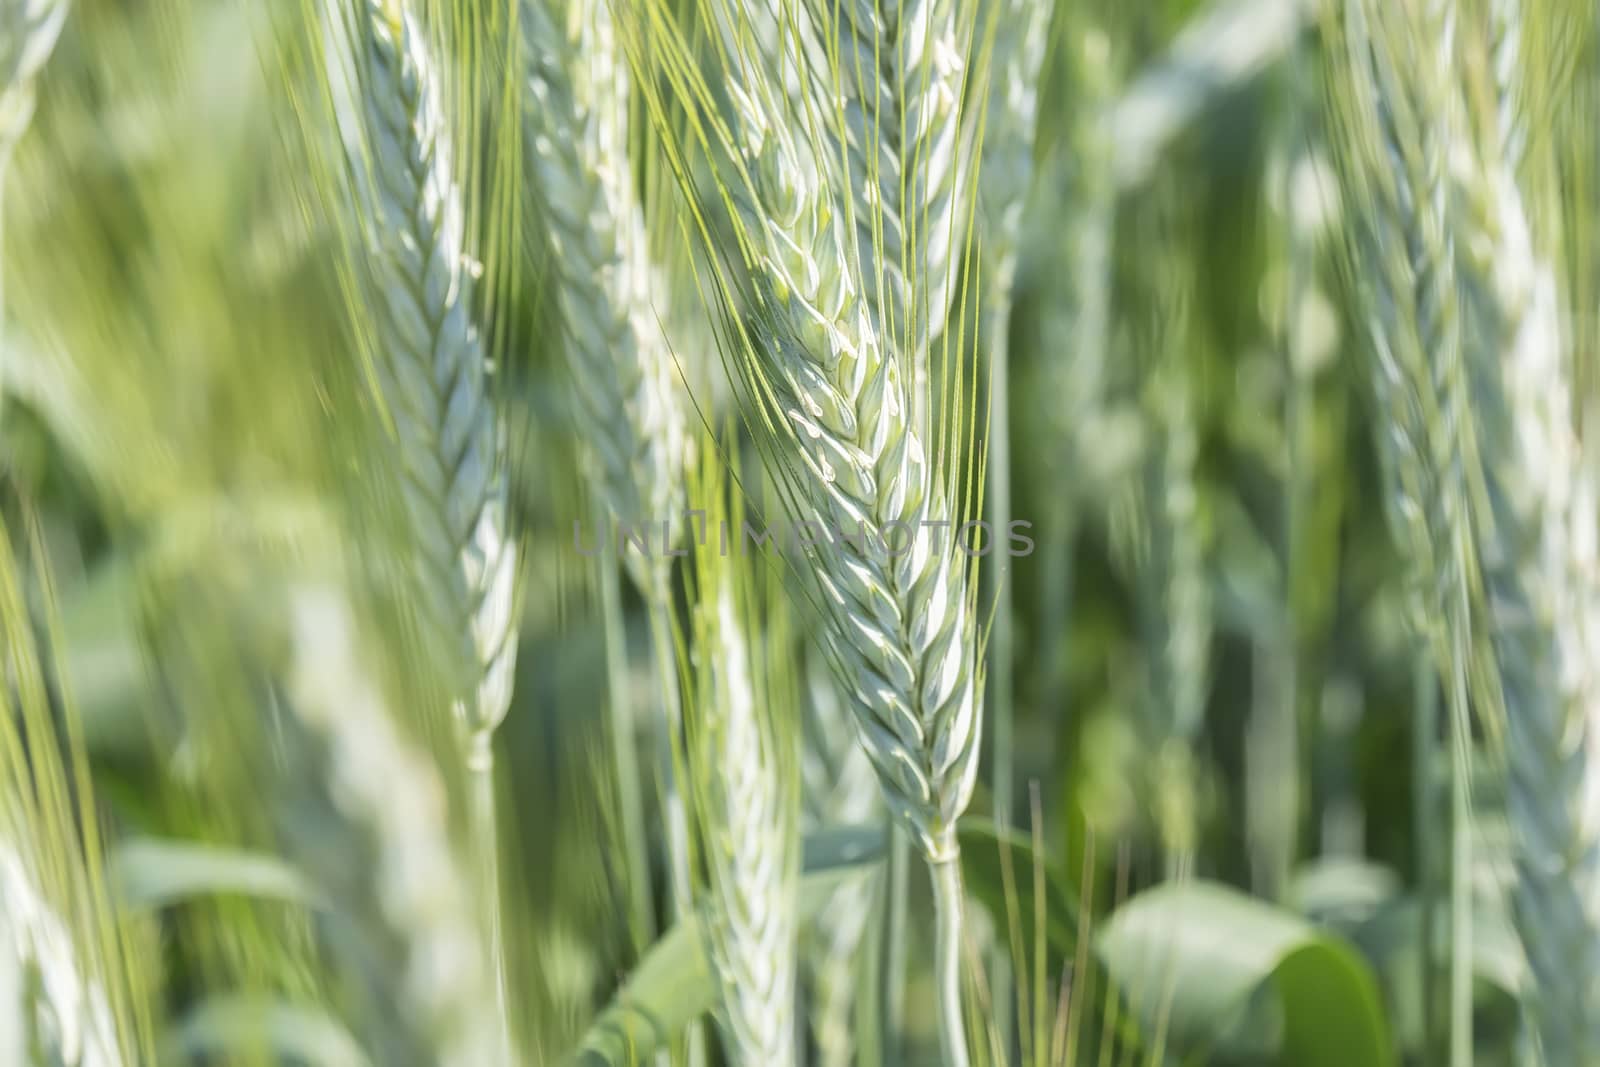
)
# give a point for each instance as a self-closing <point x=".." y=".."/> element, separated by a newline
<point x="851" y="193"/>
<point x="742" y="744"/>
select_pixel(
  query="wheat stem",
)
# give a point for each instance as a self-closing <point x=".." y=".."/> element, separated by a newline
<point x="624" y="756"/>
<point x="948" y="901"/>
<point x="663" y="653"/>
<point x="484" y="822"/>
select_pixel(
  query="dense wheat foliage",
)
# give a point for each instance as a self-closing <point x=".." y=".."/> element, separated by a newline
<point x="799" y="533"/>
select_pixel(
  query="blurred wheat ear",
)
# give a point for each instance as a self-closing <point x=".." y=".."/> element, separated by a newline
<point x="577" y="141"/>
<point x="1540" y="561"/>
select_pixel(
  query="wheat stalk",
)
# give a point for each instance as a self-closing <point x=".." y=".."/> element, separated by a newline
<point x="383" y="802"/>
<point x="747" y="806"/>
<point x="433" y="381"/>
<point x="1017" y="36"/>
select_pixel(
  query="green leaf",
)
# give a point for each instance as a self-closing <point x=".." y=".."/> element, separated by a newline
<point x="243" y="1026"/>
<point x="672" y="985"/>
<point x="1196" y="957"/>
<point x="150" y="874"/>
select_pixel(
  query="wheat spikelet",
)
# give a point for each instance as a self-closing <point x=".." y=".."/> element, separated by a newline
<point x="748" y="810"/>
<point x="1402" y="120"/>
<point x="903" y="68"/>
<point x="432" y="374"/>
<point x="372" y="796"/>
<point x="28" y="32"/>
<point x="1541" y="569"/>
<point x="576" y="143"/>
<point x="839" y="789"/>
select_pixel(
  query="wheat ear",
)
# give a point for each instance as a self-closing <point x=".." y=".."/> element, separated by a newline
<point x="748" y="808"/>
<point x="1397" y="129"/>
<point x="576" y="140"/>
<point x="1074" y="321"/>
<point x="576" y="144"/>
<point x="1542" y="573"/>
<point x="1404" y="119"/>
<point x="378" y="798"/>
<point x="433" y="381"/>
<point x="51" y="1010"/>
<point x="845" y="330"/>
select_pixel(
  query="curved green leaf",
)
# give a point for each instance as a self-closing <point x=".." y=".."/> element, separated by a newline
<point x="152" y="874"/>
<point x="1195" y="957"/>
<point x="238" y="1024"/>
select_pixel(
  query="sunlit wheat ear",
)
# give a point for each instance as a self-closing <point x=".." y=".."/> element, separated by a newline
<point x="28" y="32"/>
<point x="839" y="790"/>
<point x="1542" y="573"/>
<point x="899" y="626"/>
<point x="907" y="152"/>
<point x="829" y="382"/>
<point x="431" y="370"/>
<point x="365" y="815"/>
<point x="747" y="800"/>
<point x="625" y="383"/>
<point x="1399" y="118"/>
